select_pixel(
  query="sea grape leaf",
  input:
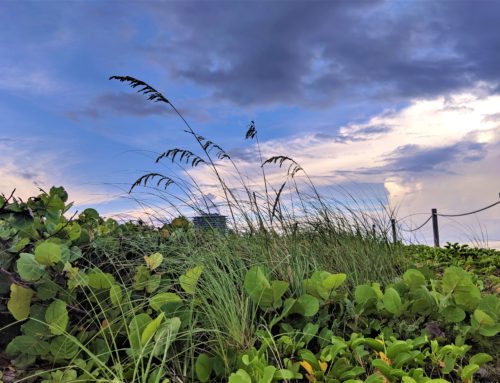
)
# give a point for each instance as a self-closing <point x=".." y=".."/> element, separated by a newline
<point x="73" y="231"/>
<point x="480" y="359"/>
<point x="483" y="322"/>
<point x="240" y="376"/>
<point x="28" y="268"/>
<point x="141" y="277"/>
<point x="203" y="367"/>
<point x="153" y="283"/>
<point x="413" y="279"/>
<point x="392" y="301"/>
<point x="255" y="283"/>
<point x="48" y="253"/>
<point x="116" y="295"/>
<point x="268" y="374"/>
<point x="158" y="300"/>
<point x="333" y="281"/>
<point x="190" y="278"/>
<point x="36" y="328"/>
<point x="136" y="328"/>
<point x="153" y="261"/>
<point x="468" y="371"/>
<point x="27" y="344"/>
<point x="166" y="335"/>
<point x="453" y="314"/>
<point x="57" y="317"/>
<point x="305" y="305"/>
<point x="46" y="289"/>
<point x="364" y="294"/>
<point x="64" y="347"/>
<point x="20" y="301"/>
<point x="99" y="280"/>
<point x="151" y="328"/>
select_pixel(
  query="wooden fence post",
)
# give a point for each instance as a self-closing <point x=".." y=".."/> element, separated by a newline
<point x="435" y="228"/>
<point x="393" y="224"/>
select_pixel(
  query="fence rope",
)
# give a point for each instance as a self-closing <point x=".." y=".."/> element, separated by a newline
<point x="469" y="213"/>
<point x="418" y="228"/>
<point x="444" y="215"/>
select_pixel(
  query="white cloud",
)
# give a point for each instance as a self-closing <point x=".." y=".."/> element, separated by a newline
<point x="26" y="169"/>
<point x="362" y="152"/>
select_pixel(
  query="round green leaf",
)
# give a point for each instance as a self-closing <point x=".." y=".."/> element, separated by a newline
<point x="203" y="367"/>
<point x="392" y="301"/>
<point x="115" y="295"/>
<point x="153" y="261"/>
<point x="413" y="279"/>
<point x="20" y="301"/>
<point x="363" y="294"/>
<point x="28" y="268"/>
<point x="57" y="317"/>
<point x="453" y="314"/>
<point x="48" y="253"/>
<point x="157" y="301"/>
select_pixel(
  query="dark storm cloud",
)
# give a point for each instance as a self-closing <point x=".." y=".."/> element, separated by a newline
<point x="133" y="104"/>
<point x="417" y="159"/>
<point x="120" y="103"/>
<point x="321" y="52"/>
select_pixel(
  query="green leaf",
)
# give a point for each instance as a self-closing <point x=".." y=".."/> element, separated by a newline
<point x="57" y="317"/>
<point x="151" y="328"/>
<point x="64" y="347"/>
<point x="468" y="371"/>
<point x="255" y="283"/>
<point x="190" y="278"/>
<point x="73" y="230"/>
<point x="203" y="367"/>
<point x="116" y="295"/>
<point x="27" y="344"/>
<point x="157" y="301"/>
<point x="453" y="314"/>
<point x="36" y="328"/>
<point x="20" y="301"/>
<point x="48" y="253"/>
<point x="305" y="305"/>
<point x="375" y="378"/>
<point x="284" y="374"/>
<point x="153" y="283"/>
<point x="364" y="294"/>
<point x="268" y="374"/>
<point x="166" y="335"/>
<point x="392" y="301"/>
<point x="136" y="328"/>
<point x="333" y="281"/>
<point x="414" y="279"/>
<point x="141" y="277"/>
<point x="486" y="325"/>
<point x="46" y="289"/>
<point x="29" y="269"/>
<point x="480" y="359"/>
<point x="153" y="261"/>
<point x="240" y="376"/>
<point x="99" y="280"/>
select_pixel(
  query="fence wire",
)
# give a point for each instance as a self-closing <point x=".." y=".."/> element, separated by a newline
<point x="445" y="215"/>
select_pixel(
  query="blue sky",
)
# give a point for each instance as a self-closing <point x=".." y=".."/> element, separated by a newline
<point x="398" y="100"/>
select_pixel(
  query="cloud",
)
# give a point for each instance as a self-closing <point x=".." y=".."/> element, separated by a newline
<point x="325" y="52"/>
<point x="27" y="171"/>
<point x="431" y="156"/>
<point x="122" y="103"/>
<point x="448" y="158"/>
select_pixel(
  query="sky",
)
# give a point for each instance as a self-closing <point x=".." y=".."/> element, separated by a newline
<point x="393" y="101"/>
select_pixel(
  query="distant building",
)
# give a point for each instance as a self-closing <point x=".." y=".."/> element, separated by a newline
<point x="211" y="221"/>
